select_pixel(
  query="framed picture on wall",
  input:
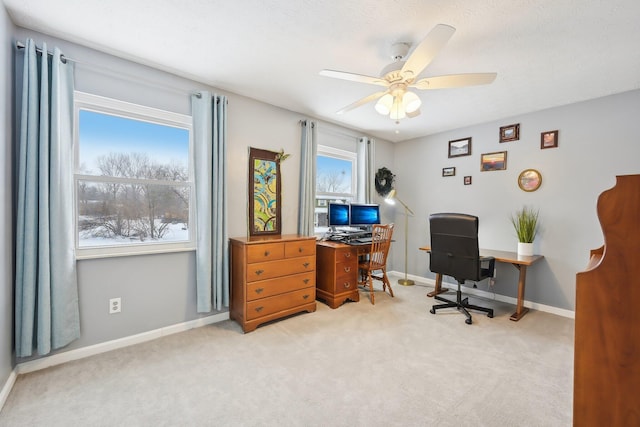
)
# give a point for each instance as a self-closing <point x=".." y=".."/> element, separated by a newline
<point x="467" y="180"/>
<point x="510" y="133"/>
<point x="448" y="171"/>
<point x="264" y="192"/>
<point x="549" y="139"/>
<point x="493" y="161"/>
<point x="529" y="180"/>
<point x="460" y="147"/>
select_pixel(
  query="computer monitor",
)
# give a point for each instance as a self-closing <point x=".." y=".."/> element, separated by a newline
<point x="364" y="215"/>
<point x="338" y="214"/>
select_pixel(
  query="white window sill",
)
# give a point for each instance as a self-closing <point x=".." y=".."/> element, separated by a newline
<point x="106" y="254"/>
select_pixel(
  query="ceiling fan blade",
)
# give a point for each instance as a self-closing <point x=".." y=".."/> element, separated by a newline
<point x="427" y="50"/>
<point x="455" y="80"/>
<point x="354" y="77"/>
<point x="413" y="114"/>
<point x="363" y="101"/>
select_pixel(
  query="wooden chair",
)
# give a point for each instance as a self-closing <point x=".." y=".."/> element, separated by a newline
<point x="380" y="243"/>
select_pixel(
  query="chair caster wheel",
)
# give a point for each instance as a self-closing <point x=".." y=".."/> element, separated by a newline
<point x="432" y="311"/>
<point x="468" y="321"/>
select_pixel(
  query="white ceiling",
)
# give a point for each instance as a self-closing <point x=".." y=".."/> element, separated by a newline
<point x="546" y="52"/>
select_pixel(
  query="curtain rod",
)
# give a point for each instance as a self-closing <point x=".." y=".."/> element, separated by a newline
<point x="64" y="59"/>
<point x="20" y="45"/>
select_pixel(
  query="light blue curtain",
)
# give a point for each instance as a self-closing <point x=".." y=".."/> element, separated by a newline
<point x="46" y="292"/>
<point x="308" y="150"/>
<point x="212" y="250"/>
<point x="366" y="151"/>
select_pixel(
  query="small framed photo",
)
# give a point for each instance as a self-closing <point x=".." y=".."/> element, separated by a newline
<point x="448" y="171"/>
<point x="529" y="180"/>
<point x="510" y="133"/>
<point x="493" y="161"/>
<point x="460" y="147"/>
<point x="549" y="139"/>
<point x="467" y="180"/>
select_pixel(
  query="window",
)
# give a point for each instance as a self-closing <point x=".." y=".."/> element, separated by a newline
<point x="335" y="181"/>
<point x="133" y="178"/>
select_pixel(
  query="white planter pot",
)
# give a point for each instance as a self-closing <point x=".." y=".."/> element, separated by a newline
<point x="525" y="249"/>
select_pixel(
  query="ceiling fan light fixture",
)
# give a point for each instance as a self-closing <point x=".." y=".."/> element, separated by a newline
<point x="397" y="110"/>
<point x="384" y="104"/>
<point x="411" y="102"/>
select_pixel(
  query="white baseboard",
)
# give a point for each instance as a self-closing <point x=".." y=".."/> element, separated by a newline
<point x="6" y="389"/>
<point x="490" y="295"/>
<point x="80" y="353"/>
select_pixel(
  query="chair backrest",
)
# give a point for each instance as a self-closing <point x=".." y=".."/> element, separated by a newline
<point x="454" y="246"/>
<point x="380" y="243"/>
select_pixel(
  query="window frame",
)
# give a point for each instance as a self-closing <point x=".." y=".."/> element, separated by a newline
<point x="327" y="151"/>
<point x="103" y="105"/>
<point x="337" y="153"/>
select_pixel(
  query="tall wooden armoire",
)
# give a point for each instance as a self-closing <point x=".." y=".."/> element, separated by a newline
<point x="607" y="326"/>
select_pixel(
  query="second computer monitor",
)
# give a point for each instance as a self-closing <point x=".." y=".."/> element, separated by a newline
<point x="364" y="214"/>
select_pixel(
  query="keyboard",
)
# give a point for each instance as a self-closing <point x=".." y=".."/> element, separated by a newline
<point x="362" y="240"/>
<point x="348" y="230"/>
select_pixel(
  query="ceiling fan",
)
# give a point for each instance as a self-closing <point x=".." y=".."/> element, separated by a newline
<point x="396" y="100"/>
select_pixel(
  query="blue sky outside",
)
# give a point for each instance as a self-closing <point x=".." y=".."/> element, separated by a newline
<point x="101" y="134"/>
<point x="333" y="166"/>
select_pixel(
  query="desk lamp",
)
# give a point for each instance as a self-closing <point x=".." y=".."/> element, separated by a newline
<point x="391" y="199"/>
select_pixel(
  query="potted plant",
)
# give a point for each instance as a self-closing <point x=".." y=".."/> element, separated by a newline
<point x="525" y="222"/>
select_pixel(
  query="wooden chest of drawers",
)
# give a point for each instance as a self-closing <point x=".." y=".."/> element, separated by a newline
<point x="271" y="277"/>
<point x="337" y="273"/>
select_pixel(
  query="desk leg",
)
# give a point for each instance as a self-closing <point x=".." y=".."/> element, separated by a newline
<point x="438" y="289"/>
<point x="521" y="310"/>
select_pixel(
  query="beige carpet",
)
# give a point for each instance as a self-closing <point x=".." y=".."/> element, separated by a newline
<point x="392" y="364"/>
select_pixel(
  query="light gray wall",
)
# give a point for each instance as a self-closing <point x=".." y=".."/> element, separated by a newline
<point x="598" y="140"/>
<point x="6" y="253"/>
<point x="159" y="290"/>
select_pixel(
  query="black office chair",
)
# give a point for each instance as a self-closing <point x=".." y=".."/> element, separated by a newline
<point x="454" y="252"/>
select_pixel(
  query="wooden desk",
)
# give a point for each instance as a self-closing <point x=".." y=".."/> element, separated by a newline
<point x="518" y="261"/>
<point x="336" y="273"/>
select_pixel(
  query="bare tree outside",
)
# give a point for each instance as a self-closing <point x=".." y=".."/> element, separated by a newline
<point x="332" y="182"/>
<point x="141" y="209"/>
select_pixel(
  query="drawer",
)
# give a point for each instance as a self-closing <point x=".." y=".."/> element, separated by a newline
<point x="283" y="267"/>
<point x="346" y="268"/>
<point x="346" y="282"/>
<point x="346" y="255"/>
<point x="274" y="304"/>
<point x="267" y="288"/>
<point x="299" y="248"/>
<point x="265" y="252"/>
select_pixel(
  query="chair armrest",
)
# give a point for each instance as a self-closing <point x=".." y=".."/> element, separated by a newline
<point x="492" y="264"/>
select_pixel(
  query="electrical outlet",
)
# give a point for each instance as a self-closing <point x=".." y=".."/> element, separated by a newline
<point x="115" y="305"/>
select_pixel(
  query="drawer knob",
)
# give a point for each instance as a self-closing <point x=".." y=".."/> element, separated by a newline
<point x="347" y="269"/>
<point x="305" y="281"/>
<point x="347" y="285"/>
<point x="267" y="253"/>
<point x="259" y="309"/>
<point x="259" y="290"/>
<point x="306" y="296"/>
<point x="347" y="255"/>
<point x="259" y="272"/>
<point x="300" y="249"/>
<point x="306" y="264"/>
